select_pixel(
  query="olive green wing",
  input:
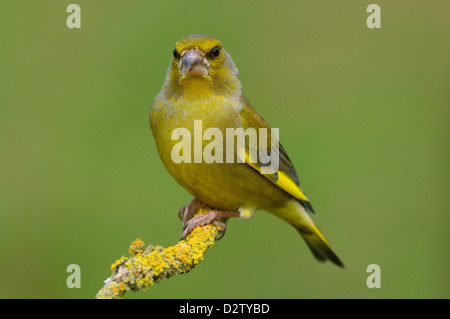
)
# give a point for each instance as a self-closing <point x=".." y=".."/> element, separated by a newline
<point x="285" y="177"/>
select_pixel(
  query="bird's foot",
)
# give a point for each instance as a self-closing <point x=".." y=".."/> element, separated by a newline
<point x="216" y="217"/>
<point x="188" y="211"/>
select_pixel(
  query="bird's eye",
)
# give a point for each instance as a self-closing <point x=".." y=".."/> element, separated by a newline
<point x="176" y="55"/>
<point x="215" y="52"/>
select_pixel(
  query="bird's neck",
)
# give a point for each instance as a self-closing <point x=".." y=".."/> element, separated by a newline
<point x="200" y="88"/>
<point x="197" y="88"/>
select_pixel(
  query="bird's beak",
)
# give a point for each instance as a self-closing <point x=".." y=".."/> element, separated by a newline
<point x="193" y="62"/>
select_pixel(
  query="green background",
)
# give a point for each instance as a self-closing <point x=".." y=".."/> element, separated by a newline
<point x="363" y="114"/>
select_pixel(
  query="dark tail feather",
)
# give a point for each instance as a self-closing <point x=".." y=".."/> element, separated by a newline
<point x="319" y="246"/>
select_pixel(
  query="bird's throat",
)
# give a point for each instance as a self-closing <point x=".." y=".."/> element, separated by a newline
<point x="196" y="87"/>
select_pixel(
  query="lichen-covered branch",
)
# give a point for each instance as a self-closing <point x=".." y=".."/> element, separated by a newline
<point x="148" y="266"/>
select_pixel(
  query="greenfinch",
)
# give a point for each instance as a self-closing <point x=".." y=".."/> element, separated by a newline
<point x="202" y="84"/>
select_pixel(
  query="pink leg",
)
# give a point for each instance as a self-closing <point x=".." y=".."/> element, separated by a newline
<point x="215" y="216"/>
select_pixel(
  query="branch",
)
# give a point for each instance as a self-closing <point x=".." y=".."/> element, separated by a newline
<point x="148" y="266"/>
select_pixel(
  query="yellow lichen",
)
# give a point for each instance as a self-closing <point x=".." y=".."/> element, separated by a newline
<point x="136" y="247"/>
<point x="118" y="262"/>
<point x="146" y="267"/>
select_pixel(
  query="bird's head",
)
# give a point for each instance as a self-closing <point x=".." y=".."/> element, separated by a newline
<point x="200" y="64"/>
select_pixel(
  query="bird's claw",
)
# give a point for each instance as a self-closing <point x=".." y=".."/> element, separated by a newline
<point x="188" y="211"/>
<point x="216" y="217"/>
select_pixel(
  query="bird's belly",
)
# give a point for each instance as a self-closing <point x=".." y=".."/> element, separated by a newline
<point x="228" y="186"/>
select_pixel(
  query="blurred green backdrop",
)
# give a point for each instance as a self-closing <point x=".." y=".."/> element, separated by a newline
<point x="363" y="114"/>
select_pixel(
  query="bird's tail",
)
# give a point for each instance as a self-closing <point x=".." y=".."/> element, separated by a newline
<point x="320" y="247"/>
<point x="315" y="240"/>
<point x="296" y="214"/>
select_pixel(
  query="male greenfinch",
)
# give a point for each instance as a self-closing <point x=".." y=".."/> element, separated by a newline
<point x="202" y="85"/>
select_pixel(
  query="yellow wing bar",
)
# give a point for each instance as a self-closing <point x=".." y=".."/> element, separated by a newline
<point x="280" y="179"/>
